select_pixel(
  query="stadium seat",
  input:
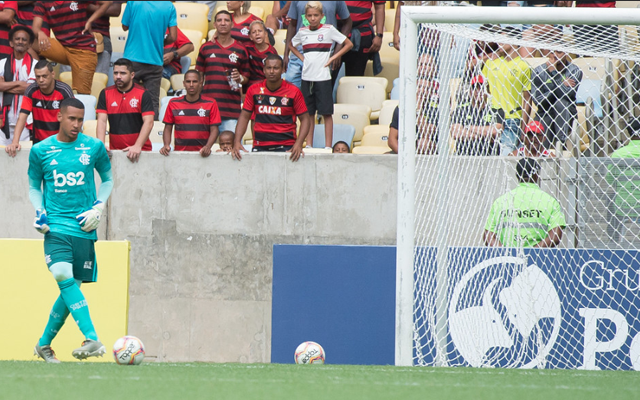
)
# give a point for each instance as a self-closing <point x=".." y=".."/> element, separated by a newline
<point x="89" y="106"/>
<point x="391" y="71"/>
<point x="26" y="144"/>
<point x="387" y="51"/>
<point x="370" y="150"/>
<point x="257" y="11"/>
<point x="118" y="38"/>
<point x="66" y="77"/>
<point x="210" y="34"/>
<point x="386" y="112"/>
<point x="313" y="150"/>
<point x="117" y="21"/>
<point x="89" y="127"/>
<point x="344" y="133"/>
<point x="192" y="16"/>
<point x="156" y="132"/>
<point x="98" y="84"/>
<point x="195" y="37"/>
<point x="389" y="19"/>
<point x="177" y="82"/>
<point x="266" y="6"/>
<point x="376" y="135"/>
<point x="247" y="138"/>
<point x="163" y="93"/>
<point x="369" y="91"/>
<point x="280" y="37"/>
<point x="164" y="102"/>
<point x="165" y="84"/>
<point x="535" y="61"/>
<point x="357" y="115"/>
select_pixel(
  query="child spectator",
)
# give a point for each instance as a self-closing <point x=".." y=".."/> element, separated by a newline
<point x="317" y="40"/>
<point x="341" y="147"/>
<point x="258" y="50"/>
<point x="242" y="20"/>
<point x="226" y="141"/>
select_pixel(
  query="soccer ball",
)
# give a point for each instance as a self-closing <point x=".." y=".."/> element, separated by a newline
<point x="128" y="350"/>
<point x="309" y="353"/>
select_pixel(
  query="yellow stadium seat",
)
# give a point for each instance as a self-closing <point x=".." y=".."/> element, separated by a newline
<point x="89" y="128"/>
<point x="369" y="91"/>
<point x="117" y="21"/>
<point x="195" y="37"/>
<point x="389" y="19"/>
<point x="26" y="144"/>
<point x="370" y="150"/>
<point x="66" y="77"/>
<point x="118" y="38"/>
<point x="357" y="115"/>
<point x="156" y="132"/>
<point x="165" y="84"/>
<point x="177" y="81"/>
<point x="387" y="51"/>
<point x="192" y="16"/>
<point x="280" y="44"/>
<point x="375" y="135"/>
<point x="247" y="138"/>
<point x="266" y="6"/>
<point x="210" y="34"/>
<point x="386" y="112"/>
<point x="98" y="84"/>
<point x="101" y="78"/>
<point x="257" y="11"/>
<point x="390" y="71"/>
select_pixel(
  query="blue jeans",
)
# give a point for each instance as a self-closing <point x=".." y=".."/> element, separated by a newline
<point x="510" y="136"/>
<point x="294" y="71"/>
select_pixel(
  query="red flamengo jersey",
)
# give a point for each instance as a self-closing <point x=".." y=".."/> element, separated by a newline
<point x="45" y="108"/>
<point x="192" y="121"/>
<point x="256" y="62"/>
<point x="103" y="24"/>
<point x="5" y="48"/>
<point x="67" y="19"/>
<point x="240" y="31"/>
<point x="362" y="16"/>
<point x="125" y="111"/>
<point x="170" y="48"/>
<point x="214" y="61"/>
<point x="24" y="17"/>
<point x="275" y="113"/>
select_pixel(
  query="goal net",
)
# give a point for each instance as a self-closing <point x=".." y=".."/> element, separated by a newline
<point x="476" y="285"/>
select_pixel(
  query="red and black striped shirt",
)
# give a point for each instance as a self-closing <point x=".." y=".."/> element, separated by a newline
<point x="256" y="62"/>
<point x="24" y="17"/>
<point x="362" y="16"/>
<point x="240" y="31"/>
<point x="214" y="61"/>
<point x="275" y="113"/>
<point x="103" y="24"/>
<point x="192" y="121"/>
<point x="45" y="108"/>
<point x="169" y="48"/>
<point x="67" y="19"/>
<point x="5" y="48"/>
<point x="125" y="111"/>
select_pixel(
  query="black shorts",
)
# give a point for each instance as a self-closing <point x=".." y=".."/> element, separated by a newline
<point x="275" y="149"/>
<point x="318" y="96"/>
<point x="79" y="252"/>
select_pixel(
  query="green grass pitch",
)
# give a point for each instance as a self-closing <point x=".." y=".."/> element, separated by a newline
<point x="95" y="381"/>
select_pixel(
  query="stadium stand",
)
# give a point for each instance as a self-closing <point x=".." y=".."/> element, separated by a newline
<point x="89" y="106"/>
<point x="192" y="16"/>
<point x="343" y="133"/>
<point x="357" y="115"/>
<point x="386" y="112"/>
<point x="370" y="91"/>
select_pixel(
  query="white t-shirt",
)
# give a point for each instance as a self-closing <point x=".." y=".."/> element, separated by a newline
<point x="23" y="76"/>
<point x="316" y="48"/>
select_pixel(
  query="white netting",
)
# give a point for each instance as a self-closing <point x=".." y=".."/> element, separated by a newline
<point x="569" y="307"/>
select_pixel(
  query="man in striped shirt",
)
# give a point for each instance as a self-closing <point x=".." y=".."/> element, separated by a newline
<point x="355" y="61"/>
<point x="42" y="99"/>
<point x="225" y="65"/>
<point x="8" y="11"/>
<point x="276" y="104"/>
<point x="74" y="45"/>
<point x="196" y="119"/>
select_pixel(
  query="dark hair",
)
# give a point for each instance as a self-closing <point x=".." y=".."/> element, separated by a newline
<point x="226" y="133"/>
<point x="123" y="62"/>
<point x="71" y="102"/>
<point x="333" y="149"/>
<point x="274" y="57"/>
<point x="193" y="71"/>
<point x="526" y="169"/>
<point x="633" y="127"/>
<point x="44" y="64"/>
<point x="511" y="31"/>
<point x="18" y="28"/>
<point x="223" y="12"/>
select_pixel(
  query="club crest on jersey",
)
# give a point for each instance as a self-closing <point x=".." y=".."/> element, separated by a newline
<point x="55" y="104"/>
<point x="284" y="101"/>
<point x="233" y="57"/>
<point x="73" y="6"/>
<point x="259" y="99"/>
<point x="134" y="102"/>
<point x="272" y="100"/>
<point x="320" y="37"/>
<point x="202" y="112"/>
<point x="85" y="159"/>
<point x="245" y="31"/>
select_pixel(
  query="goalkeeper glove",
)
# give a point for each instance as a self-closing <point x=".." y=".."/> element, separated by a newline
<point x="90" y="219"/>
<point x="41" y="222"/>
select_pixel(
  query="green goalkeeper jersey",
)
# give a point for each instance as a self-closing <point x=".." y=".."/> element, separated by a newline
<point x="66" y="171"/>
<point x="626" y="181"/>
<point x="524" y="216"/>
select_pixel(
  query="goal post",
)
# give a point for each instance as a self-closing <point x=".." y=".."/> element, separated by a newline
<point x="447" y="281"/>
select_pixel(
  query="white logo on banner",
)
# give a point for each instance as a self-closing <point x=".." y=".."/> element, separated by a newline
<point x="480" y="328"/>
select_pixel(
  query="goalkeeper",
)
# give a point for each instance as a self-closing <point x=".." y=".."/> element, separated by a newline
<point x="526" y="216"/>
<point x="63" y="192"/>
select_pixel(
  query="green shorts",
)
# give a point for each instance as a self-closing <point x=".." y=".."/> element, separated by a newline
<point x="79" y="252"/>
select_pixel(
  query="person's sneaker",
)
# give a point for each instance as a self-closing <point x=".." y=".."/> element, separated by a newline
<point x="46" y="353"/>
<point x="89" y="348"/>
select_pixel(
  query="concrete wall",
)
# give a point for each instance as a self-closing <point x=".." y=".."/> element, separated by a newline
<point x="202" y="233"/>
